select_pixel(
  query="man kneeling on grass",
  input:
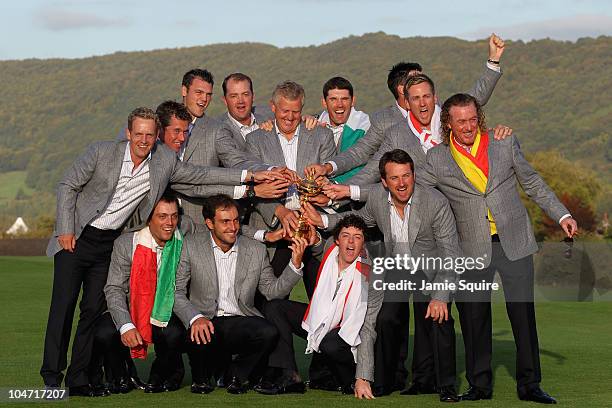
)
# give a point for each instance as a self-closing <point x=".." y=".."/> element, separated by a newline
<point x="338" y="322"/>
<point x="140" y="296"/>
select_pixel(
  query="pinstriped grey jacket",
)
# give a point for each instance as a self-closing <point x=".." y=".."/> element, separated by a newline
<point x="507" y="168"/>
<point x="197" y="287"/>
<point x="89" y="184"/>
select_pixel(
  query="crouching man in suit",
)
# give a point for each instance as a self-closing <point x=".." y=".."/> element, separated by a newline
<point x="339" y="320"/>
<point x="218" y="275"/>
<point x="140" y="295"/>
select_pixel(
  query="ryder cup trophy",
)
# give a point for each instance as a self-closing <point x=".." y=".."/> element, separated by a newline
<point x="307" y="188"/>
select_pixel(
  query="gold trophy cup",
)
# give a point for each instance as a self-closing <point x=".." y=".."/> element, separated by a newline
<point x="307" y="188"/>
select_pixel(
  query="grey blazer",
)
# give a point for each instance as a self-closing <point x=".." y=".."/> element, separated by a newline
<point x="117" y="288"/>
<point x="398" y="136"/>
<point x="431" y="228"/>
<point x="314" y="146"/>
<point x="235" y="130"/>
<point x="380" y="121"/>
<point x="507" y="166"/>
<point x="212" y="144"/>
<point x="89" y="184"/>
<point x="197" y="286"/>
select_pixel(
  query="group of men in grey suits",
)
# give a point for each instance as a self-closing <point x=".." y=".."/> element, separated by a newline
<point x="119" y="185"/>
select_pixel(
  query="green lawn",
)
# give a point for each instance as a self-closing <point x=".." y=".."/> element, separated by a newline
<point x="575" y="341"/>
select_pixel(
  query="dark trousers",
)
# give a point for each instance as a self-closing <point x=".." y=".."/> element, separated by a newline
<point x="109" y="351"/>
<point x="250" y="338"/>
<point x="475" y="319"/>
<point x="287" y="316"/>
<point x="282" y="257"/>
<point x="86" y="267"/>
<point x="433" y="359"/>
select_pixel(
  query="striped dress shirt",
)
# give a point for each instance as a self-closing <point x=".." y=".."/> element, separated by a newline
<point x="290" y="152"/>
<point x="245" y="129"/>
<point x="226" y="275"/>
<point x="131" y="188"/>
<point x="399" y="226"/>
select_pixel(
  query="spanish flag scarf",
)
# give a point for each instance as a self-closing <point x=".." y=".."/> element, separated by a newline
<point x="152" y="289"/>
<point x="475" y="165"/>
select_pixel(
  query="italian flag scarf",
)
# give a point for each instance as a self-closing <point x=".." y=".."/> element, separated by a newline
<point x="152" y="288"/>
<point x="355" y="127"/>
<point x="475" y="165"/>
<point x="335" y="306"/>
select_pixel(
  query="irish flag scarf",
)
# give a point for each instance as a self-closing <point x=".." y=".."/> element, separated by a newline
<point x="337" y="303"/>
<point x="152" y="288"/>
<point x="355" y="127"/>
<point x="475" y="165"/>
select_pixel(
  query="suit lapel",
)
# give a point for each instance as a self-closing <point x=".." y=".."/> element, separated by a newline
<point x="493" y="154"/>
<point x="414" y="220"/>
<point x="276" y="151"/>
<point x="209" y="259"/>
<point x="455" y="169"/>
<point x="242" y="265"/>
<point x="385" y="214"/>
<point x="117" y="164"/>
<point x="155" y="167"/>
<point x="196" y="135"/>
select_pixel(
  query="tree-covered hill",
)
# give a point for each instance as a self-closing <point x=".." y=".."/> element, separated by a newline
<point x="556" y="95"/>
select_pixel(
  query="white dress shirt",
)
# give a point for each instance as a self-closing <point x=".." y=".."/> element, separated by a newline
<point x="245" y="129"/>
<point x="131" y="188"/>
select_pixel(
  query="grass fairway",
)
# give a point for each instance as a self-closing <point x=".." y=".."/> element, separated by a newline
<point x="575" y="340"/>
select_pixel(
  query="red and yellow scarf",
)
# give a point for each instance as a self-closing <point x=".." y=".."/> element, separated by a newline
<point x="475" y="165"/>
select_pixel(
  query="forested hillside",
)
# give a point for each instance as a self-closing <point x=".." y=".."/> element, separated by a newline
<point x="556" y="95"/>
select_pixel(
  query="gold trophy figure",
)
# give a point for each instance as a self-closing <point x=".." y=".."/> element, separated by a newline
<point x="307" y="188"/>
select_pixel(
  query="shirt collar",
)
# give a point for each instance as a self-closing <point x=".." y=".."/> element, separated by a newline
<point x="402" y="110"/>
<point x="127" y="156"/>
<point x="240" y="125"/>
<point x="279" y="133"/>
<point x="390" y="200"/>
<point x="234" y="247"/>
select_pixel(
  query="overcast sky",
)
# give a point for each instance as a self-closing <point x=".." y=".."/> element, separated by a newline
<point x="73" y="29"/>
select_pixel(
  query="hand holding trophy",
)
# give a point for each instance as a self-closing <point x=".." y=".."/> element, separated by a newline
<point x="307" y="188"/>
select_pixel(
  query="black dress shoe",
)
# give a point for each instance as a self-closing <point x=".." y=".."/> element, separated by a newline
<point x="80" y="391"/>
<point x="283" y="387"/>
<point x="121" y="386"/>
<point x="137" y="383"/>
<point x="154" y="388"/>
<point x="418" y="388"/>
<point x="537" y="395"/>
<point x="171" y="386"/>
<point x="266" y="387"/>
<point x="448" y="394"/>
<point x="201" y="388"/>
<point x="325" y="385"/>
<point x="349" y="389"/>
<point x="100" y="390"/>
<point x="237" y="386"/>
<point x="475" y="394"/>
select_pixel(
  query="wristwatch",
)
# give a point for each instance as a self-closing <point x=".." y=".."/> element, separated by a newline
<point x="250" y="191"/>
